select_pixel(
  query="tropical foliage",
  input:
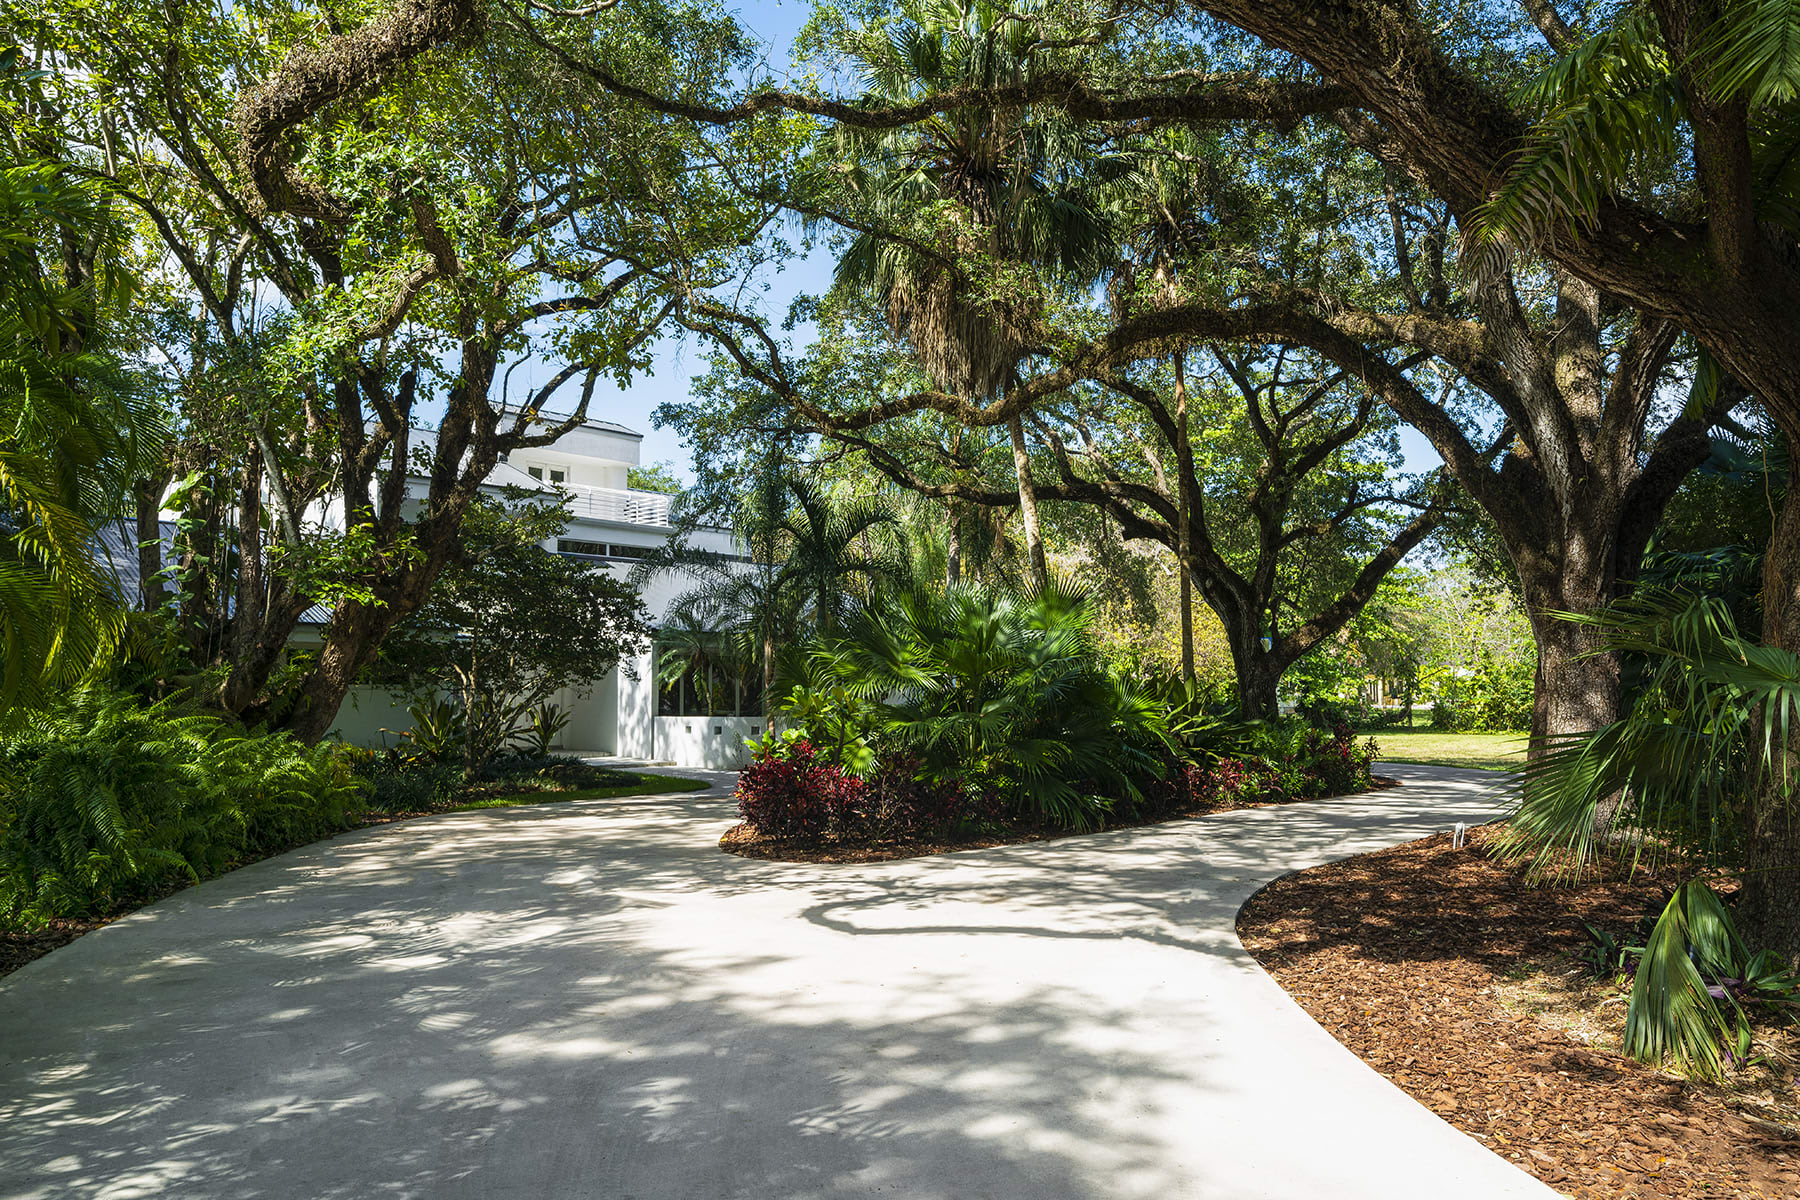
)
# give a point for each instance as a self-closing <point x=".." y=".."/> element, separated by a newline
<point x="1667" y="781"/>
<point x="1005" y="687"/>
<point x="103" y="798"/>
<point x="961" y="705"/>
<point x="509" y="625"/>
<point x="813" y="560"/>
<point x="74" y="425"/>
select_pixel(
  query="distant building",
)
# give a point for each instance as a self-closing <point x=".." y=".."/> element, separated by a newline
<point x="612" y="526"/>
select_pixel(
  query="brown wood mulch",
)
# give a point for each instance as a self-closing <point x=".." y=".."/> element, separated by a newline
<point x="743" y="840"/>
<point x="18" y="946"/>
<point x="1445" y="971"/>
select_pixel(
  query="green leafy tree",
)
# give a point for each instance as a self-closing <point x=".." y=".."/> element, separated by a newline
<point x="657" y="477"/>
<point x="364" y="220"/>
<point x="509" y="624"/>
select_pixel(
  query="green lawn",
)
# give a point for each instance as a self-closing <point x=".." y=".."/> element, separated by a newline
<point x="647" y="785"/>
<point x="1486" y="751"/>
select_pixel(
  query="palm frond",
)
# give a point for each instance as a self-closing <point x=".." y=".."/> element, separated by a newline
<point x="1608" y="108"/>
<point x="1672" y="1013"/>
<point x="1754" y="51"/>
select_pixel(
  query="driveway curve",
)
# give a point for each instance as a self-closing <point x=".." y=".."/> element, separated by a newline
<point x="589" y="1000"/>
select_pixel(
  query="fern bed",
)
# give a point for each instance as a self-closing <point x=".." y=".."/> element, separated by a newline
<point x="107" y="804"/>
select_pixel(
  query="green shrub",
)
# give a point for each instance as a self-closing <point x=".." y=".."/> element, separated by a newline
<point x="1494" y="698"/>
<point x="103" y="798"/>
<point x="973" y="684"/>
<point x="401" y="785"/>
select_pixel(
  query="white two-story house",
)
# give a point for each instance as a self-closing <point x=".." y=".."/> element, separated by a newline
<point x="612" y="526"/>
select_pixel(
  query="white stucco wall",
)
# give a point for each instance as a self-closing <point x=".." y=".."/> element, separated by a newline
<point x="593" y="716"/>
<point x="635" y="709"/>
<point x="715" y="743"/>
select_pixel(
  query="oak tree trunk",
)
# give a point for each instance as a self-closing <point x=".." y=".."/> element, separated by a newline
<point x="1258" y="671"/>
<point x="1575" y="689"/>
<point x="1769" y="909"/>
<point x="351" y="640"/>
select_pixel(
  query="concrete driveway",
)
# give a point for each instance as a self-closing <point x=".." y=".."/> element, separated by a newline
<point x="589" y="1000"/>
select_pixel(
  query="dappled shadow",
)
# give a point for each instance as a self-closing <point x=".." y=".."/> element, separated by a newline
<point x="1433" y="902"/>
<point x="589" y="999"/>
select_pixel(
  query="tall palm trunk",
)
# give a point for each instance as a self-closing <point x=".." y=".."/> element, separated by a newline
<point x="1028" y="510"/>
<point x="953" y="560"/>
<point x="1770" y="907"/>
<point x="768" y="675"/>
<point x="1184" y="474"/>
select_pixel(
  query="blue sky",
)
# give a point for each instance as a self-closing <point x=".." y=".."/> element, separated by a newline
<point x="677" y="362"/>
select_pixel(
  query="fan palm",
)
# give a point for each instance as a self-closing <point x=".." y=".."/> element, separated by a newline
<point x="954" y="200"/>
<point x="1712" y="720"/>
<point x="977" y="683"/>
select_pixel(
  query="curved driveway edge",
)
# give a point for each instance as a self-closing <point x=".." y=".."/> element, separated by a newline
<point x="589" y="1000"/>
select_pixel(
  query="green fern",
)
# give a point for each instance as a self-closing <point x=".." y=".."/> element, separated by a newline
<point x="103" y="797"/>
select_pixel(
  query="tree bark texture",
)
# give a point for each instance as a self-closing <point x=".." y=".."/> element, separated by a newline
<point x="1769" y="909"/>
<point x="1184" y="543"/>
<point x="1028" y="509"/>
<point x="147" y="501"/>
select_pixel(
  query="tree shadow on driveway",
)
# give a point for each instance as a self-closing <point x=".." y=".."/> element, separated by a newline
<point x="588" y="999"/>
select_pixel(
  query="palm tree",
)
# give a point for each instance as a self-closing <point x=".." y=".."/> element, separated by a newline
<point x="1710" y="724"/>
<point x="808" y="556"/>
<point x="71" y="421"/>
<point x="966" y="194"/>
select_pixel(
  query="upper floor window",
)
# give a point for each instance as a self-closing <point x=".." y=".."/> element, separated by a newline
<point x="557" y="474"/>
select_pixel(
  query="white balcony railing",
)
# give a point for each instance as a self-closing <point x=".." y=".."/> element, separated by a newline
<point x="618" y="505"/>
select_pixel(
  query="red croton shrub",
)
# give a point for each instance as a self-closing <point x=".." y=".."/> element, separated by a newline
<point x="788" y="792"/>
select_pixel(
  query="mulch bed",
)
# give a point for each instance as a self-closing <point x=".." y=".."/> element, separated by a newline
<point x="1445" y="971"/>
<point x="18" y="947"/>
<point x="743" y="840"/>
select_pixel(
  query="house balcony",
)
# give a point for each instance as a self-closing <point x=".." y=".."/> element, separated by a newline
<point x="618" y="505"/>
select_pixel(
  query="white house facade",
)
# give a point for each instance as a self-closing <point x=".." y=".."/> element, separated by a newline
<point x="612" y="526"/>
